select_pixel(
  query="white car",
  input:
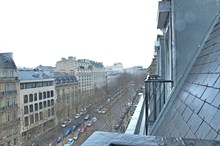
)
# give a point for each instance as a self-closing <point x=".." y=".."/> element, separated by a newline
<point x="63" y="125"/>
<point x="94" y="119"/>
<point x="77" y="116"/>
<point x="89" y="123"/>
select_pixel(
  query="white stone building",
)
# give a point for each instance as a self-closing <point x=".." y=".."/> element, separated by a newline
<point x="37" y="100"/>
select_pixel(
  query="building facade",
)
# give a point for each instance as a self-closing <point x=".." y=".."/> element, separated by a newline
<point x="37" y="104"/>
<point x="67" y="97"/>
<point x="183" y="92"/>
<point x="90" y="74"/>
<point x="9" y="87"/>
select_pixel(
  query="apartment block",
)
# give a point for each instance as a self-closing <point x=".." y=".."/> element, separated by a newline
<point x="67" y="97"/>
<point x="37" y="104"/>
<point x="90" y="74"/>
<point x="9" y="87"/>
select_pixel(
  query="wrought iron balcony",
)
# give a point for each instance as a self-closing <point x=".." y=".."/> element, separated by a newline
<point x="156" y="91"/>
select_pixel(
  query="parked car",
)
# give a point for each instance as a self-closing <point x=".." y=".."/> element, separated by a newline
<point x="89" y="123"/>
<point x="87" y="117"/>
<point x="77" y="116"/>
<point x="83" y="129"/>
<point x="69" y="142"/>
<point x="103" y="111"/>
<point x="99" y="111"/>
<point x="76" y="135"/>
<point x="94" y="119"/>
<point x="68" y="131"/>
<point x="59" y="139"/>
<point x="63" y="125"/>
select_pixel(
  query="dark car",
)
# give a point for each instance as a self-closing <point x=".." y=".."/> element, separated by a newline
<point x="59" y="139"/>
<point x="68" y="131"/>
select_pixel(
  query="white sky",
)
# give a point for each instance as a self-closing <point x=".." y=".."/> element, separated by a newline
<point x="41" y="32"/>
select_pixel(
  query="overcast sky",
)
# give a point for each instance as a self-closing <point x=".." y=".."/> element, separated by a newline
<point x="41" y="32"/>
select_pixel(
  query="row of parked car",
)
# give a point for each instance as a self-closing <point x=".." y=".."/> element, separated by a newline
<point x="77" y="128"/>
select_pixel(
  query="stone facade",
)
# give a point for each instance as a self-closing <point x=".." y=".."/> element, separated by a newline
<point x="9" y="87"/>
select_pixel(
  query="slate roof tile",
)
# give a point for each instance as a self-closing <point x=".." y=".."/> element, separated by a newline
<point x="218" y="69"/>
<point x="210" y="94"/>
<point x="212" y="134"/>
<point x="199" y="90"/>
<point x="216" y="101"/>
<point x="207" y="112"/>
<point x="196" y="105"/>
<point x="183" y="95"/>
<point x="181" y="108"/>
<point x="203" y="130"/>
<point x="190" y="134"/>
<point x="187" y="114"/>
<point x="211" y="79"/>
<point x="218" y="137"/>
<point x="190" y="99"/>
<point x="194" y="122"/>
<point x="215" y="122"/>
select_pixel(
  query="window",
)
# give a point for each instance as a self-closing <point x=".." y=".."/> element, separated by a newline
<point x="11" y="73"/>
<point x="45" y="104"/>
<point x="48" y="112"/>
<point x="51" y="93"/>
<point x="7" y="88"/>
<point x="25" y="109"/>
<point x="35" y="96"/>
<point x="25" y="99"/>
<point x="39" y="84"/>
<point x="22" y="86"/>
<point x="40" y="105"/>
<point x="31" y="108"/>
<point x="13" y="87"/>
<point x="26" y="121"/>
<point x="40" y="96"/>
<point x="36" y="117"/>
<point x="45" y="95"/>
<point x="4" y="74"/>
<point x="7" y="117"/>
<point x="52" y="111"/>
<point x="48" y="94"/>
<point x="14" y="100"/>
<point x="52" y="101"/>
<point x="36" y="106"/>
<point x="7" y="102"/>
<point x="41" y="115"/>
<point x="45" y="84"/>
<point x="15" y="141"/>
<point x="31" y="119"/>
<point x="30" y="97"/>
<point x="48" y="103"/>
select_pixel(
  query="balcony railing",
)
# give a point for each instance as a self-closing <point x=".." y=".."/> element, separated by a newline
<point x="156" y="91"/>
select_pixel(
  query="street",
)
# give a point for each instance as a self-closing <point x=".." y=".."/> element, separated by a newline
<point x="114" y="107"/>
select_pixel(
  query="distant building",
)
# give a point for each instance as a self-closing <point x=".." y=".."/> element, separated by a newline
<point x="90" y="74"/>
<point x="135" y="70"/>
<point x="113" y="72"/>
<point x="37" y="103"/>
<point x="9" y="101"/>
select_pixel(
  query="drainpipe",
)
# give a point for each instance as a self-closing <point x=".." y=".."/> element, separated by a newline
<point x="173" y="41"/>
